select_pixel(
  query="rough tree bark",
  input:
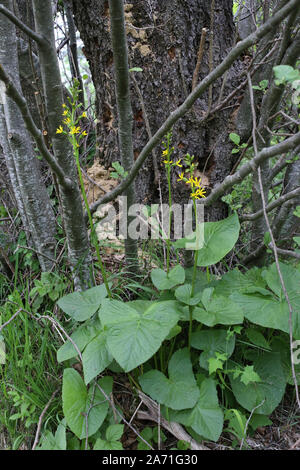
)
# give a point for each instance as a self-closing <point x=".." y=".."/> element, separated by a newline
<point x="74" y="224"/>
<point x="163" y="40"/>
<point x="123" y="99"/>
<point x="36" y="212"/>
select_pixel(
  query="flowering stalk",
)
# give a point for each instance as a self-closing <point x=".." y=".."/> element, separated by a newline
<point x="168" y="164"/>
<point x="197" y="192"/>
<point x="75" y="135"/>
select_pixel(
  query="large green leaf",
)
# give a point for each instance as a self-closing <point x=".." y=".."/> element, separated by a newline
<point x="235" y="281"/>
<point x="135" y="331"/>
<point x="79" y="402"/>
<point x="163" y="280"/>
<point x="95" y="357"/>
<point x="184" y="295"/>
<point x="268" y="392"/>
<point x="210" y="342"/>
<point x="180" y="390"/>
<point x="270" y="309"/>
<point x="281" y="344"/>
<point x="206" y="418"/>
<point x="82" y="305"/>
<point x="291" y="277"/>
<point x="81" y="337"/>
<point x="219" y="239"/>
<point x="217" y="309"/>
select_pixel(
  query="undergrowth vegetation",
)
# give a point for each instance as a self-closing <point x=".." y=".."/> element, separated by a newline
<point x="98" y="353"/>
<point x="210" y="347"/>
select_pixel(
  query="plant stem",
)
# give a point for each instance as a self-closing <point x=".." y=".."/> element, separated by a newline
<point x="193" y="280"/>
<point x="93" y="231"/>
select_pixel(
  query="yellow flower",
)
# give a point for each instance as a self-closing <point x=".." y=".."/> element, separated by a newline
<point x="65" y="112"/>
<point x="67" y="121"/>
<point x="200" y="192"/>
<point x="64" y="105"/>
<point x="165" y="152"/>
<point x="84" y="133"/>
<point x="83" y="114"/>
<point x="59" y="130"/>
<point x="190" y="181"/>
<point x="75" y="130"/>
<point x="181" y="177"/>
<point x="197" y="182"/>
<point x="168" y="162"/>
<point x="178" y="163"/>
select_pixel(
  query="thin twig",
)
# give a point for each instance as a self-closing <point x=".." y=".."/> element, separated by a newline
<point x="122" y="417"/>
<point x="199" y="58"/>
<point x="282" y="252"/>
<point x="37" y="435"/>
<point x="11" y="319"/>
<point x="270" y="207"/>
<point x="274" y="247"/>
<point x="248" y="421"/>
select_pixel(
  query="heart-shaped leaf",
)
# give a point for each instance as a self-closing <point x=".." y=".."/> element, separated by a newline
<point x="219" y="239"/>
<point x="163" y="281"/>
<point x="206" y="418"/>
<point x="180" y="390"/>
<point x="79" y="403"/>
<point x="210" y="342"/>
<point x="135" y="330"/>
<point x="270" y="309"/>
<point x="268" y="392"/>
<point x="95" y="357"/>
<point x="82" y="305"/>
<point x="218" y="310"/>
<point x="81" y="337"/>
<point x="184" y="295"/>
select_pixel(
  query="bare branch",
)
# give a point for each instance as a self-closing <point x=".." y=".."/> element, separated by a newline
<point x="274" y="247"/>
<point x="246" y="169"/>
<point x="32" y="34"/>
<point x="14" y="94"/>
<point x="193" y="96"/>
<point x="282" y="252"/>
<point x="271" y="206"/>
<point x="174" y="428"/>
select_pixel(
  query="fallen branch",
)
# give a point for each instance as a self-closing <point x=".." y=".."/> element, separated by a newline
<point x="176" y="429"/>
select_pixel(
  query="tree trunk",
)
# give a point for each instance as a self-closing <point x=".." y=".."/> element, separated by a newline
<point x="73" y="217"/>
<point x="36" y="212"/>
<point x="163" y="39"/>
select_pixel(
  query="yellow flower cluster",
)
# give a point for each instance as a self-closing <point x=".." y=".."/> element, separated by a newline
<point x="73" y="129"/>
<point x="194" y="182"/>
<point x="197" y="190"/>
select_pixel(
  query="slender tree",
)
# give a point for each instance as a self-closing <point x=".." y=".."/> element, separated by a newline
<point x="62" y="162"/>
<point x="36" y="212"/>
<point x="119" y="46"/>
